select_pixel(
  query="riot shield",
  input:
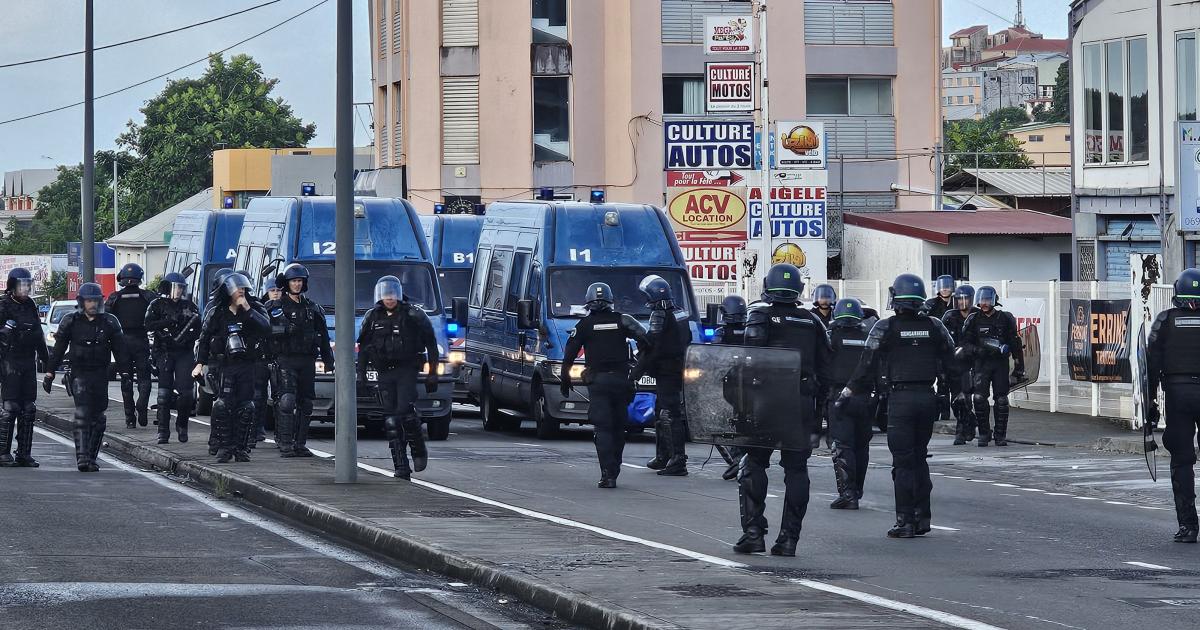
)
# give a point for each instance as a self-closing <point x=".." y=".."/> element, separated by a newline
<point x="1142" y="397"/>
<point x="1033" y="358"/>
<point x="745" y="396"/>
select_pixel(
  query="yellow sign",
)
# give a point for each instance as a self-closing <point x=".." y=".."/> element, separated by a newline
<point x="709" y="209"/>
<point x="789" y="253"/>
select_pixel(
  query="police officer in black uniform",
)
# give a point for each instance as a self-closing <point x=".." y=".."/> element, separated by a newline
<point x="266" y="376"/>
<point x="781" y="323"/>
<point x="300" y="338"/>
<point x="732" y="332"/>
<point x="1171" y="350"/>
<point x="824" y="298"/>
<point x="396" y="339"/>
<point x="910" y="350"/>
<point x="129" y="304"/>
<point x="22" y="352"/>
<point x="215" y="291"/>
<point x="668" y="339"/>
<point x="603" y="335"/>
<point x="849" y="422"/>
<point x="990" y="337"/>
<point x="943" y="298"/>
<point x="959" y="372"/>
<point x="89" y="337"/>
<point x="172" y="318"/>
<point x="232" y="329"/>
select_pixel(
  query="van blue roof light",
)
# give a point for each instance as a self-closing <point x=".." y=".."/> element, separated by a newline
<point x="545" y="194"/>
<point x="480" y="209"/>
<point x="597" y="196"/>
<point x="308" y="189"/>
<point x="439" y="208"/>
<point x="228" y="202"/>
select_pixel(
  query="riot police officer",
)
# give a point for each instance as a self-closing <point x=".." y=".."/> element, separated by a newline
<point x="603" y="334"/>
<point x="668" y="339"/>
<point x="942" y="299"/>
<point x="781" y="323"/>
<point x="396" y="339"/>
<point x="824" y="297"/>
<point x="1171" y="350"/>
<point x="266" y="379"/>
<point x="990" y="337"/>
<point x="22" y="352"/>
<point x="88" y="336"/>
<point x="172" y="318"/>
<point x="910" y="350"/>
<point x="215" y="291"/>
<point x="732" y="329"/>
<point x="300" y="338"/>
<point x="232" y="329"/>
<point x="959" y="372"/>
<point x="129" y="304"/>
<point x="849" y="422"/>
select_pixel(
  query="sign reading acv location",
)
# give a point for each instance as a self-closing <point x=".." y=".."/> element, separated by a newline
<point x="709" y="218"/>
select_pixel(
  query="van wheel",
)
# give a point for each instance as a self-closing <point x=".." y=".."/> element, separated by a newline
<point x="487" y="406"/>
<point x="438" y="429"/>
<point x="204" y="402"/>
<point x="547" y="427"/>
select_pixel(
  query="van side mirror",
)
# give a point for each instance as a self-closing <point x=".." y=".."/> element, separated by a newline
<point x="267" y="271"/>
<point x="188" y="271"/>
<point x="712" y="314"/>
<point x="525" y="317"/>
<point x="458" y="310"/>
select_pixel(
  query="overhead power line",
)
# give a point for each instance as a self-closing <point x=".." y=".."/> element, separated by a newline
<point x="169" y="72"/>
<point x="139" y="39"/>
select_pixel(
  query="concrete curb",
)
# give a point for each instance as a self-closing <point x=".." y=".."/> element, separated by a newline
<point x="566" y="604"/>
<point x="1130" y="445"/>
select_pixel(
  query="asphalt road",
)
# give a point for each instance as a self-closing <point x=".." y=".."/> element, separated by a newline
<point x="1025" y="537"/>
<point x="136" y="549"/>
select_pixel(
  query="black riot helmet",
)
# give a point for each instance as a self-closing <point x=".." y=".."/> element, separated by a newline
<point x="964" y="297"/>
<point x="90" y="292"/>
<point x="783" y="284"/>
<point x="658" y="291"/>
<point x="848" y="312"/>
<point x="234" y="282"/>
<point x="907" y="293"/>
<point x="733" y="310"/>
<point x="986" y="299"/>
<point x="173" y="285"/>
<point x="1187" y="289"/>
<point x="130" y="275"/>
<point x="824" y="295"/>
<point x="388" y="288"/>
<point x="20" y="282"/>
<point x="292" y="272"/>
<point x="944" y="283"/>
<point x="599" y="297"/>
<point x="218" y="282"/>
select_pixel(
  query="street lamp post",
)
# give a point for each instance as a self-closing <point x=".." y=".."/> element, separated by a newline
<point x="345" y="405"/>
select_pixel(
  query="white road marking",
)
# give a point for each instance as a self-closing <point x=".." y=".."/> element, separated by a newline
<point x="1087" y="498"/>
<point x="1117" y="503"/>
<point x="633" y="465"/>
<point x="912" y="609"/>
<point x="944" y="528"/>
<point x="1147" y="565"/>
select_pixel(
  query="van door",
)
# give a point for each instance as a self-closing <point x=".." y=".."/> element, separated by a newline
<point x="524" y="342"/>
<point x="498" y="333"/>
<point x="478" y="349"/>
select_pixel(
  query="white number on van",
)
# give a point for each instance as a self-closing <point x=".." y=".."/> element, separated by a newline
<point x="327" y="248"/>
<point x="581" y="254"/>
<point x="460" y="258"/>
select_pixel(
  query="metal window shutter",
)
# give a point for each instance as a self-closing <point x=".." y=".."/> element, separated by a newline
<point x="1116" y="257"/>
<point x="383" y="143"/>
<point x="460" y="22"/>
<point x="683" y="20"/>
<point x="397" y="120"/>
<point x="397" y="30"/>
<point x="849" y="23"/>
<point x="383" y="31"/>
<point x="460" y="120"/>
<point x="859" y="136"/>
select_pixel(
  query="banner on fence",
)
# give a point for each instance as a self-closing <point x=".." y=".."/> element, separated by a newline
<point x="1030" y="313"/>
<point x="1098" y="343"/>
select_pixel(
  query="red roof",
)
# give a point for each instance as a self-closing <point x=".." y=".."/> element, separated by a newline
<point x="938" y="227"/>
<point x="1033" y="44"/>
<point x="966" y="32"/>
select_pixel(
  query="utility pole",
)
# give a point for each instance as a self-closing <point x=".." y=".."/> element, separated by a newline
<point x="345" y="461"/>
<point x="87" y="271"/>
<point x="766" y="138"/>
<point x="116" y="210"/>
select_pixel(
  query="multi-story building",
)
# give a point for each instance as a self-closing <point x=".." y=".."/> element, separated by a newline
<point x="489" y="100"/>
<point x="20" y="193"/>
<point x="966" y="46"/>
<point x="1046" y="144"/>
<point x="1125" y="109"/>
<point x="240" y="175"/>
<point x="962" y="93"/>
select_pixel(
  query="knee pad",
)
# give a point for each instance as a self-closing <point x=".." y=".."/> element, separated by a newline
<point x="28" y="409"/>
<point x="220" y="409"/>
<point x="12" y="408"/>
<point x="1001" y="403"/>
<point x="391" y="425"/>
<point x="246" y="410"/>
<point x="287" y="403"/>
<point x="411" y="422"/>
<point x="978" y="400"/>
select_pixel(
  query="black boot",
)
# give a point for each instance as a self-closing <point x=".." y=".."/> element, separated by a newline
<point x="24" y="457"/>
<point x="301" y="441"/>
<point x="1001" y="416"/>
<point x="400" y="461"/>
<point x="751" y="542"/>
<point x="960" y="422"/>
<point x="785" y="545"/>
<point x="1185" y="513"/>
<point x="416" y="442"/>
<point x="143" y="417"/>
<point x="181" y="425"/>
<point x="847" y="490"/>
<point x="981" y="418"/>
<point x="8" y="419"/>
<point x="662" y="443"/>
<point x="676" y="467"/>
<point x="285" y="432"/>
<point x="904" y="527"/>
<point x="607" y="482"/>
<point x="164" y="422"/>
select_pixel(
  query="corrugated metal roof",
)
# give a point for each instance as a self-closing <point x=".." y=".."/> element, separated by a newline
<point x="1033" y="44"/>
<point x="152" y="232"/>
<point x="967" y="31"/>
<point x="1018" y="182"/>
<point x="28" y="181"/>
<point x="939" y="226"/>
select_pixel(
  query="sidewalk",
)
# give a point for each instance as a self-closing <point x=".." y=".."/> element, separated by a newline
<point x="1027" y="426"/>
<point x="589" y="577"/>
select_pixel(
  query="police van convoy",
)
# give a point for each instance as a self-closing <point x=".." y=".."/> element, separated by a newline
<point x="533" y="266"/>
<point x="388" y="240"/>
<point x="452" y="240"/>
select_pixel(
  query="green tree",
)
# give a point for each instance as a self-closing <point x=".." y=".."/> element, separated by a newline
<point x="1060" y="103"/>
<point x="55" y="287"/>
<point x="229" y="106"/>
<point x="989" y="137"/>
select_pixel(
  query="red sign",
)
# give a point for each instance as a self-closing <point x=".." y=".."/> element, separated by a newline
<point x="677" y="179"/>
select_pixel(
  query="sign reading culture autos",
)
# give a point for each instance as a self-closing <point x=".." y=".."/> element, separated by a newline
<point x="695" y="145"/>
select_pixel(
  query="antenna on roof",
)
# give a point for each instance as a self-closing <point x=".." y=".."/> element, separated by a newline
<point x="1020" y="22"/>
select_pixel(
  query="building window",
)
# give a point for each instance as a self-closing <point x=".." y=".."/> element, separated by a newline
<point x="971" y="98"/>
<point x="549" y="21"/>
<point x="850" y="96"/>
<point x="960" y="99"/>
<point x="1116" y="107"/>
<point x="956" y="266"/>
<point x="1036" y="138"/>
<point x="1185" y="75"/>
<point x="1027" y="80"/>
<point x="683" y="95"/>
<point x="551" y="119"/>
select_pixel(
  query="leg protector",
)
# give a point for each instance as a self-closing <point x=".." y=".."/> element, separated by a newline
<point x="221" y="430"/>
<point x="96" y="437"/>
<point x="127" y="399"/>
<point x="81" y="431"/>
<point x="662" y="441"/>
<point x="1001" y="414"/>
<point x="183" y="412"/>
<point x="285" y="424"/>
<point x="752" y="491"/>
<point x="25" y="434"/>
<point x="246" y="415"/>
<point x="981" y="417"/>
<point x="303" y="420"/>
<point x="8" y="419"/>
<point x="395" y="436"/>
<point x="416" y="441"/>
<point x="677" y="464"/>
<point x="844" y="470"/>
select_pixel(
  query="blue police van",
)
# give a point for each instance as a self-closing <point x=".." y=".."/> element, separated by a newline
<point x="388" y="240"/>
<point x="203" y="242"/>
<point x="533" y="265"/>
<point x="452" y="240"/>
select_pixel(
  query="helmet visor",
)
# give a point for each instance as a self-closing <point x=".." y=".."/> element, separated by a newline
<point x="944" y="284"/>
<point x="389" y="288"/>
<point x="824" y="295"/>
<point x="235" y="282"/>
<point x="22" y="287"/>
<point x="176" y="290"/>
<point x="985" y="298"/>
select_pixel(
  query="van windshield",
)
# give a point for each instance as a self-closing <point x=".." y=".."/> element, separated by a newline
<point x="568" y="287"/>
<point x="454" y="283"/>
<point x="417" y="281"/>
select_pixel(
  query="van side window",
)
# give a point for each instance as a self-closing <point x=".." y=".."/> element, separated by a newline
<point x="520" y="269"/>
<point x="479" y="280"/>
<point x="493" y="297"/>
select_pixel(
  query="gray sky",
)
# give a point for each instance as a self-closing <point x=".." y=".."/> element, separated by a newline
<point x="1048" y="17"/>
<point x="300" y="54"/>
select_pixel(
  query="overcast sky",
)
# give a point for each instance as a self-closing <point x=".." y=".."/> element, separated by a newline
<point x="300" y="54"/>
